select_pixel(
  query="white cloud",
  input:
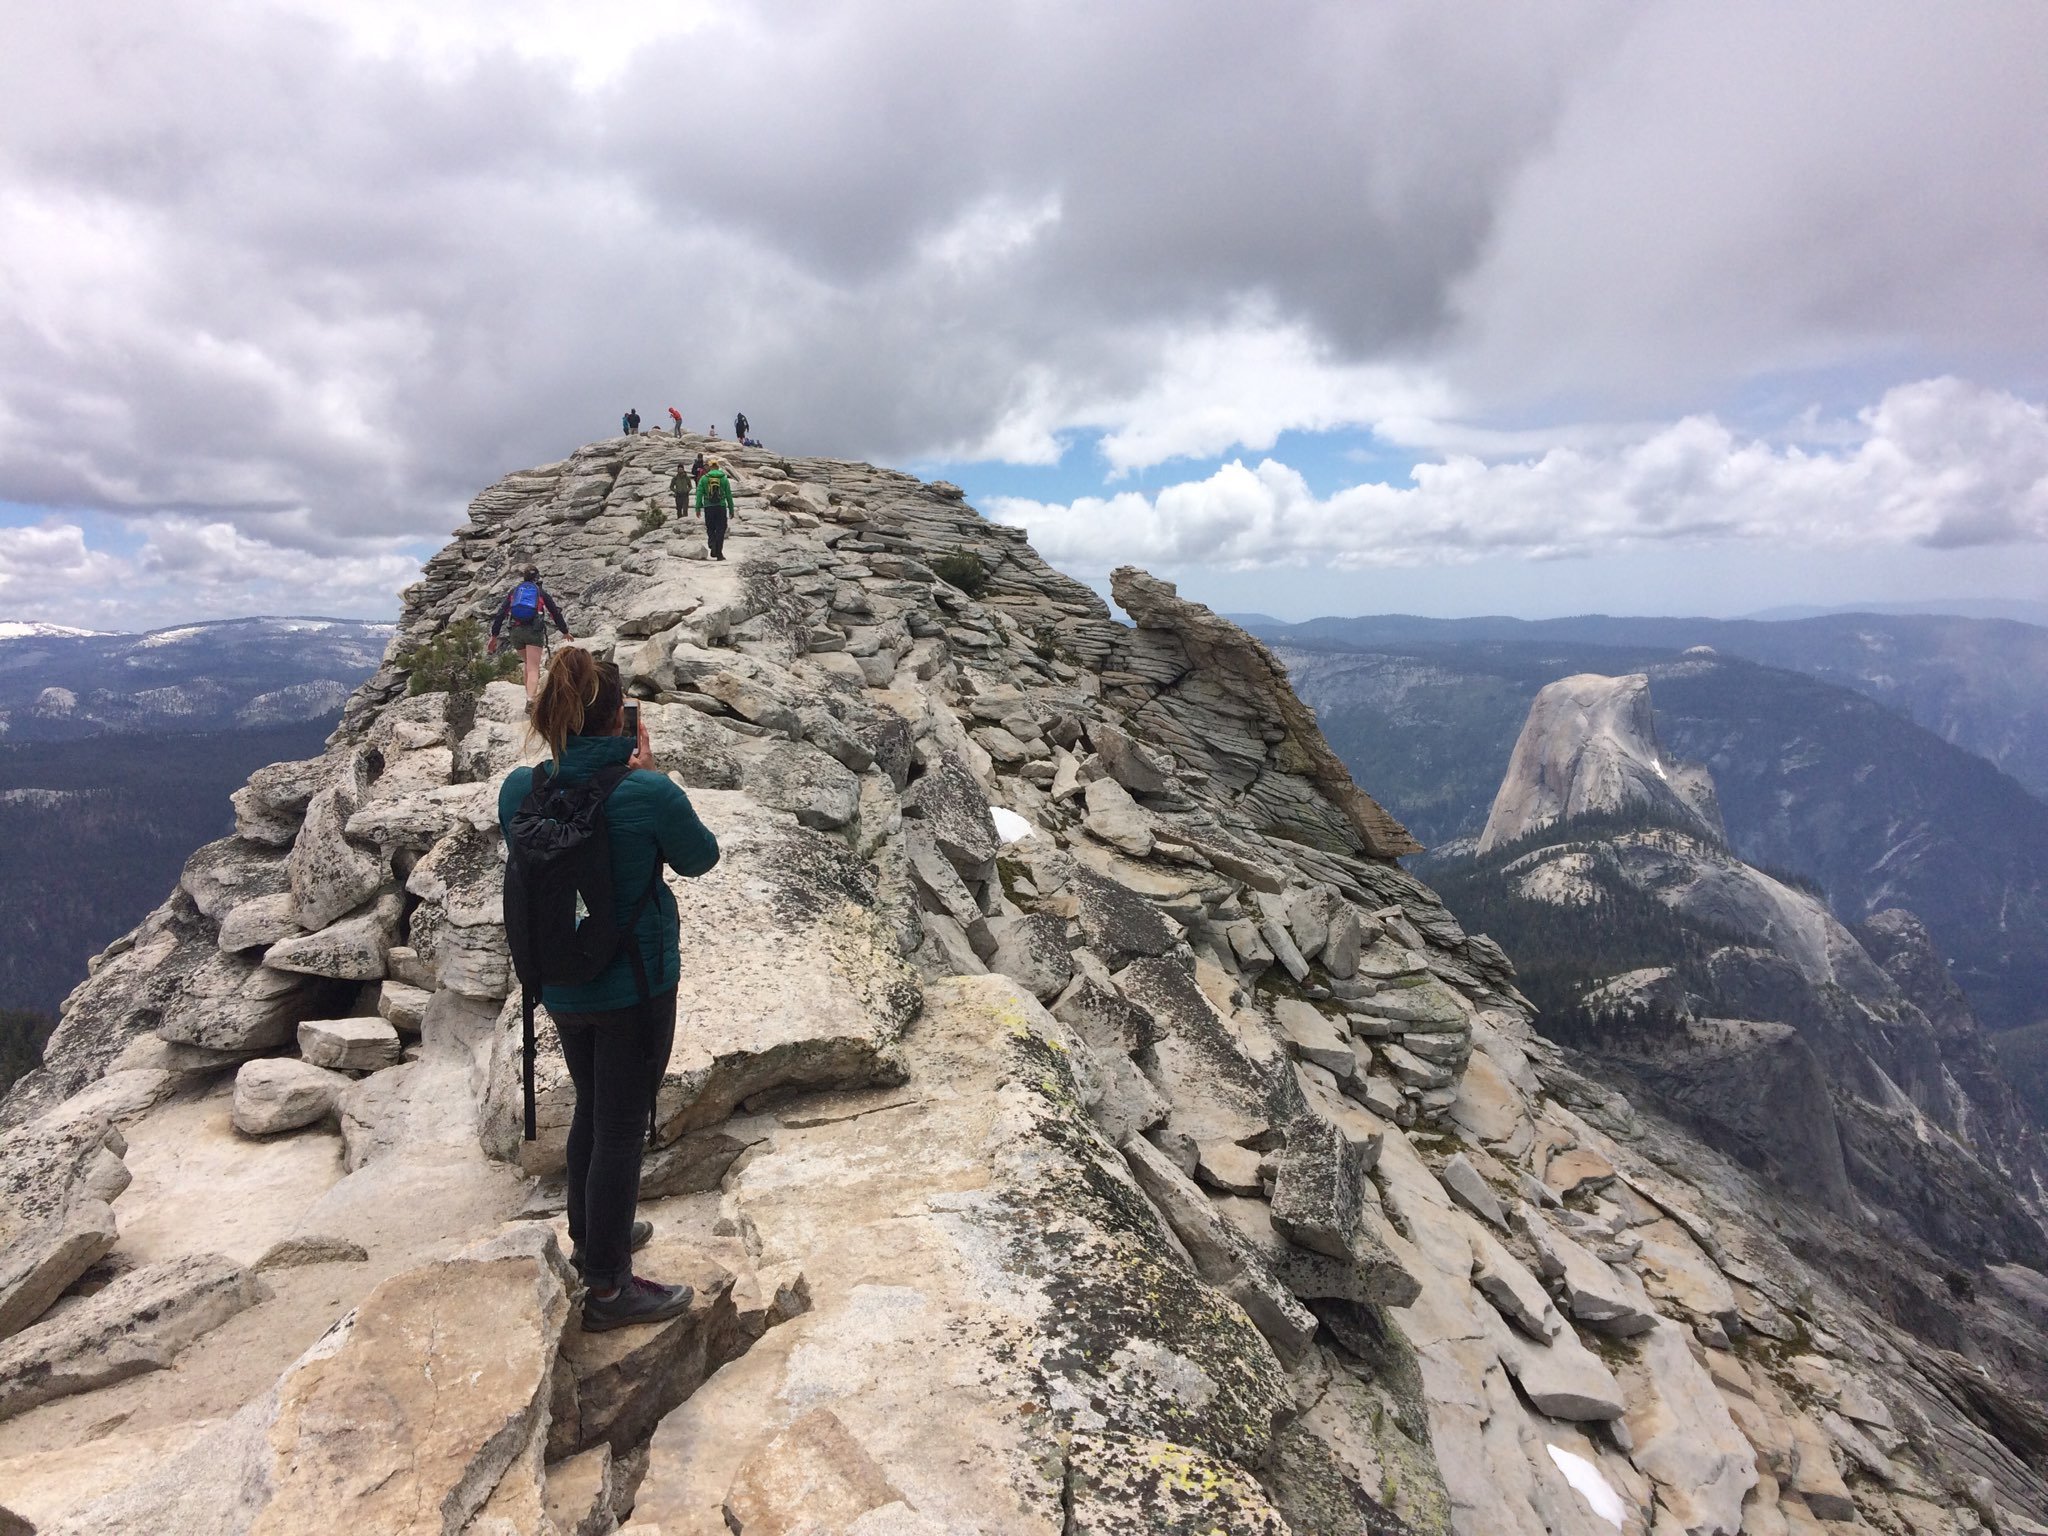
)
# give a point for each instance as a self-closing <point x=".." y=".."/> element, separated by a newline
<point x="188" y="569"/>
<point x="316" y="270"/>
<point x="1941" y="463"/>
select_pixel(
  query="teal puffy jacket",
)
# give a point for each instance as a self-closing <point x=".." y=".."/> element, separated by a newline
<point x="651" y="823"/>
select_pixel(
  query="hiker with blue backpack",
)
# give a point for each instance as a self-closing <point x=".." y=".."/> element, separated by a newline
<point x="526" y="609"/>
<point x="594" y="932"/>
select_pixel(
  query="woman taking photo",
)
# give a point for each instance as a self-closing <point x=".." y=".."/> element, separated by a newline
<point x="615" y="1043"/>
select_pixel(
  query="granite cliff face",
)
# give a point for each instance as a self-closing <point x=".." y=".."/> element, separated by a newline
<point x="1590" y="746"/>
<point x="1079" y="1123"/>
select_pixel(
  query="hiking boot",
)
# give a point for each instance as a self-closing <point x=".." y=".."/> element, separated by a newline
<point x="643" y="1234"/>
<point x="637" y="1301"/>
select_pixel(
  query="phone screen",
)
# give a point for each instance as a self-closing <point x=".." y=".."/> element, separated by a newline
<point x="632" y="719"/>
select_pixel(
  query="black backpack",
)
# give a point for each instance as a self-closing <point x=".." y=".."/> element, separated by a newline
<point x="560" y="921"/>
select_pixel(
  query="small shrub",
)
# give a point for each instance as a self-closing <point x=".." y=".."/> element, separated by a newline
<point x="454" y="661"/>
<point x="651" y="518"/>
<point x="962" y="568"/>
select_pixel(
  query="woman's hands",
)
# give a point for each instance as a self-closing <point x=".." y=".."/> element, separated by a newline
<point x="643" y="754"/>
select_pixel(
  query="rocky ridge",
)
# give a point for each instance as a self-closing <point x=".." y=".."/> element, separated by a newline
<point x="1078" y="1122"/>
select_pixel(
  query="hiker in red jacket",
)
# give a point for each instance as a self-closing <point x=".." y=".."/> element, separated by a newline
<point x="675" y="416"/>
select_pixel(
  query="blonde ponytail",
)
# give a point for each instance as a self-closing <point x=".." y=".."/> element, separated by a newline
<point x="578" y="690"/>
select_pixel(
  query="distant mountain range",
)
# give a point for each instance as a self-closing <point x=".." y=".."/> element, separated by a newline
<point x="60" y="684"/>
<point x="1846" y="1064"/>
<point x="1981" y="683"/>
<point x="117" y="756"/>
<point x="1814" y="780"/>
<point x="2017" y="609"/>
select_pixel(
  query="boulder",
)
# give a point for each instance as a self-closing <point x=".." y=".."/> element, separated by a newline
<point x="280" y="1093"/>
<point x="1115" y="818"/>
<point x="791" y="977"/>
<point x="1465" y="1185"/>
<point x="949" y="801"/>
<point x="56" y="1221"/>
<point x="1223" y="1081"/>
<point x="1319" y="1188"/>
<point x="1341" y="948"/>
<point x="1220" y="1254"/>
<point x="223" y="875"/>
<point x="259" y="922"/>
<point x="329" y="874"/>
<point x="1515" y="1293"/>
<point x="1426" y="1006"/>
<point x="795" y="776"/>
<point x="1314" y="1036"/>
<point x="452" y="1363"/>
<point x="231" y="1003"/>
<point x="825" y="731"/>
<point x="1593" y="1293"/>
<point x="941" y="890"/>
<point x="269" y="808"/>
<point x="138" y="1322"/>
<point x="402" y="1005"/>
<point x="1225" y="1166"/>
<point x="1124" y="1101"/>
<point x="1134" y="767"/>
<point x="1561" y="1378"/>
<point x="1115" y="923"/>
<point x="1033" y="950"/>
<point x="420" y="817"/>
<point x="352" y="949"/>
<point x="349" y="1045"/>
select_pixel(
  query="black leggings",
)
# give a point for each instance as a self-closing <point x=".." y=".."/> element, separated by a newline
<point x="616" y="1060"/>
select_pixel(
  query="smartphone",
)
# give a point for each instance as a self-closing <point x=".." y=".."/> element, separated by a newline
<point x="633" y="720"/>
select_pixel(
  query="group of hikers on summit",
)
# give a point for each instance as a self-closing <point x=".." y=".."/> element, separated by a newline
<point x="742" y="430"/>
<point x="589" y="918"/>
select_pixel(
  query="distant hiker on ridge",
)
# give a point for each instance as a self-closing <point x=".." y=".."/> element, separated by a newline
<point x="739" y="427"/>
<point x="593" y="931"/>
<point x="631" y="422"/>
<point x="675" y="416"/>
<point x="714" y="505"/>
<point x="684" y="481"/>
<point x="528" y="607"/>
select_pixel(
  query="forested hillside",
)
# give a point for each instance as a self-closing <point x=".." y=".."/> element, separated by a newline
<point x="94" y="832"/>
<point x="1816" y="780"/>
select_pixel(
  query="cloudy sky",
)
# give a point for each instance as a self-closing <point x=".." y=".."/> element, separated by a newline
<point x="1319" y="308"/>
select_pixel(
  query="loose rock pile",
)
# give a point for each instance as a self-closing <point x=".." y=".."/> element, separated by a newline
<point x="1077" y="1121"/>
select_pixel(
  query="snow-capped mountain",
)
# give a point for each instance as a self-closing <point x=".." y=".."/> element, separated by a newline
<point x="59" y="683"/>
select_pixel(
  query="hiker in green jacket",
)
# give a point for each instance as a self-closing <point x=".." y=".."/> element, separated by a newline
<point x="715" y="505"/>
<point x="615" y="1047"/>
